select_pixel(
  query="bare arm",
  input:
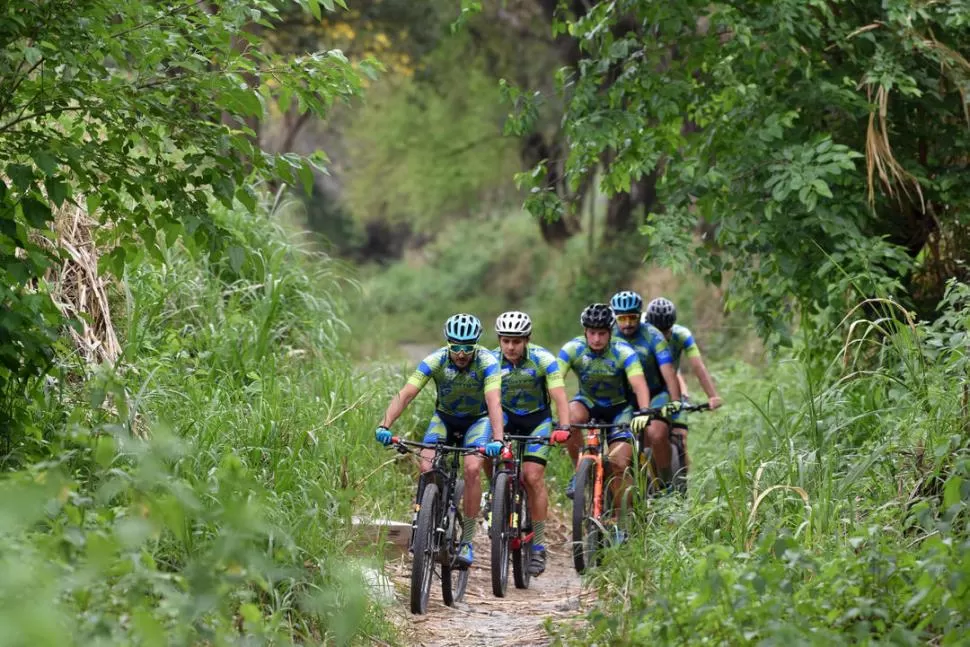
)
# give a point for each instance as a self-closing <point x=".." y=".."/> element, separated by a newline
<point x="493" y="402"/>
<point x="640" y="389"/>
<point x="704" y="377"/>
<point x="558" y="395"/>
<point x="398" y="404"/>
<point x="683" y="385"/>
<point x="670" y="377"/>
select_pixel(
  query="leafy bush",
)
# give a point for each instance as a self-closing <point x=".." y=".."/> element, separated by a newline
<point x="834" y="508"/>
<point x="201" y="490"/>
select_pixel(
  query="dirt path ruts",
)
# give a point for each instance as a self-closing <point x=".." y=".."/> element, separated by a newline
<point x="482" y="619"/>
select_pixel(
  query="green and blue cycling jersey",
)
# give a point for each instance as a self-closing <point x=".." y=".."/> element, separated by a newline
<point x="682" y="344"/>
<point x="652" y="349"/>
<point x="525" y="387"/>
<point x="603" y="381"/>
<point x="525" y="397"/>
<point x="460" y="410"/>
<point x="460" y="391"/>
<point x="603" y="376"/>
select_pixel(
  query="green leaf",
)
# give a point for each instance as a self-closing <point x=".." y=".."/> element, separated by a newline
<point x="951" y="491"/>
<point x="822" y="188"/>
<point x="32" y="55"/>
<point x="22" y="175"/>
<point x="328" y="5"/>
<point x="306" y="176"/>
<point x="57" y="190"/>
<point x="46" y="162"/>
<point x="246" y="197"/>
<point x="37" y="213"/>
<point x="314" y="7"/>
<point x="236" y="257"/>
<point x="93" y="202"/>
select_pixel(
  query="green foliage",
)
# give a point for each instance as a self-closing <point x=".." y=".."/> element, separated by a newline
<point x="756" y="114"/>
<point x="202" y="490"/>
<point x="833" y="508"/>
<point x="424" y="150"/>
<point x="139" y="113"/>
<point x="489" y="266"/>
<point x="483" y="267"/>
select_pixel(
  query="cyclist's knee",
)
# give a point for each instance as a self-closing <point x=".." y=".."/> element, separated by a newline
<point x="578" y="413"/>
<point x="473" y="467"/>
<point x="533" y="474"/>
<point x="657" y="432"/>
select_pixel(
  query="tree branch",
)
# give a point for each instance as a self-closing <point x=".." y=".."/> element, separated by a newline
<point x="168" y="14"/>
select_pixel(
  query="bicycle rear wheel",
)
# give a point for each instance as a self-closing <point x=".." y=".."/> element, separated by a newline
<point x="501" y="511"/>
<point x="454" y="579"/>
<point x="422" y="568"/>
<point x="522" y="556"/>
<point x="586" y="530"/>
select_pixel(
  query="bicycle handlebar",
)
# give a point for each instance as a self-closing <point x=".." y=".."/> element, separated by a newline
<point x="403" y="444"/>
<point x="529" y="439"/>
<point x="599" y="425"/>
<point x="657" y="411"/>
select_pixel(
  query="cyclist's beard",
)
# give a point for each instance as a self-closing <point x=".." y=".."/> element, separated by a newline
<point x="462" y="361"/>
<point x="629" y="331"/>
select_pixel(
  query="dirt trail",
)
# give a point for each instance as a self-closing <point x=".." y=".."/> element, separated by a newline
<point x="482" y="619"/>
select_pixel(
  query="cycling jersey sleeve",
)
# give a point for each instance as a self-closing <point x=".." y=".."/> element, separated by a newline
<point x="630" y="360"/>
<point x="568" y="355"/>
<point x="687" y="342"/>
<point x="550" y="368"/>
<point x="490" y="368"/>
<point x="427" y="367"/>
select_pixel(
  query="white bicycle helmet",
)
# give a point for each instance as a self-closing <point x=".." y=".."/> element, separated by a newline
<point x="513" y="324"/>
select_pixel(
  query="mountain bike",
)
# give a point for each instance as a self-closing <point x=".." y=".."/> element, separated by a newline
<point x="678" y="453"/>
<point x="436" y="524"/>
<point x="510" y="525"/>
<point x="591" y="502"/>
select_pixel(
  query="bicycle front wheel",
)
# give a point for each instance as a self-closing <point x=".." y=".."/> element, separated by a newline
<point x="454" y="579"/>
<point x="422" y="568"/>
<point x="522" y="556"/>
<point x="585" y="525"/>
<point x="501" y="510"/>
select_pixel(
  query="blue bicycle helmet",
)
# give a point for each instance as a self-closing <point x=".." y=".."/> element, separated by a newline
<point x="463" y="329"/>
<point x="626" y="301"/>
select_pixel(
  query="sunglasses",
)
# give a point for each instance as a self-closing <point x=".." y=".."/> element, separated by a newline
<point x="462" y="348"/>
<point x="628" y="319"/>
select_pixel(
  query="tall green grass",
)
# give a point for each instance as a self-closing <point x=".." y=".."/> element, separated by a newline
<point x="828" y="502"/>
<point x="200" y="491"/>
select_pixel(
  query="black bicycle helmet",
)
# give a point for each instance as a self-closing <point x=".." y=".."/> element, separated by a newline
<point x="597" y="316"/>
<point x="661" y="313"/>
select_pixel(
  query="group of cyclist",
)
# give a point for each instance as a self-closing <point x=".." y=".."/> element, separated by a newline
<point x="627" y="360"/>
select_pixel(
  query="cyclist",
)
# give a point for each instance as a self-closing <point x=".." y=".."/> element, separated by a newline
<point x="658" y="369"/>
<point x="662" y="314"/>
<point x="530" y="378"/>
<point x="606" y="368"/>
<point x="468" y="409"/>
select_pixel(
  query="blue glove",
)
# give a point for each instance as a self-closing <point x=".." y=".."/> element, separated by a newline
<point x="383" y="435"/>
<point x="493" y="448"/>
